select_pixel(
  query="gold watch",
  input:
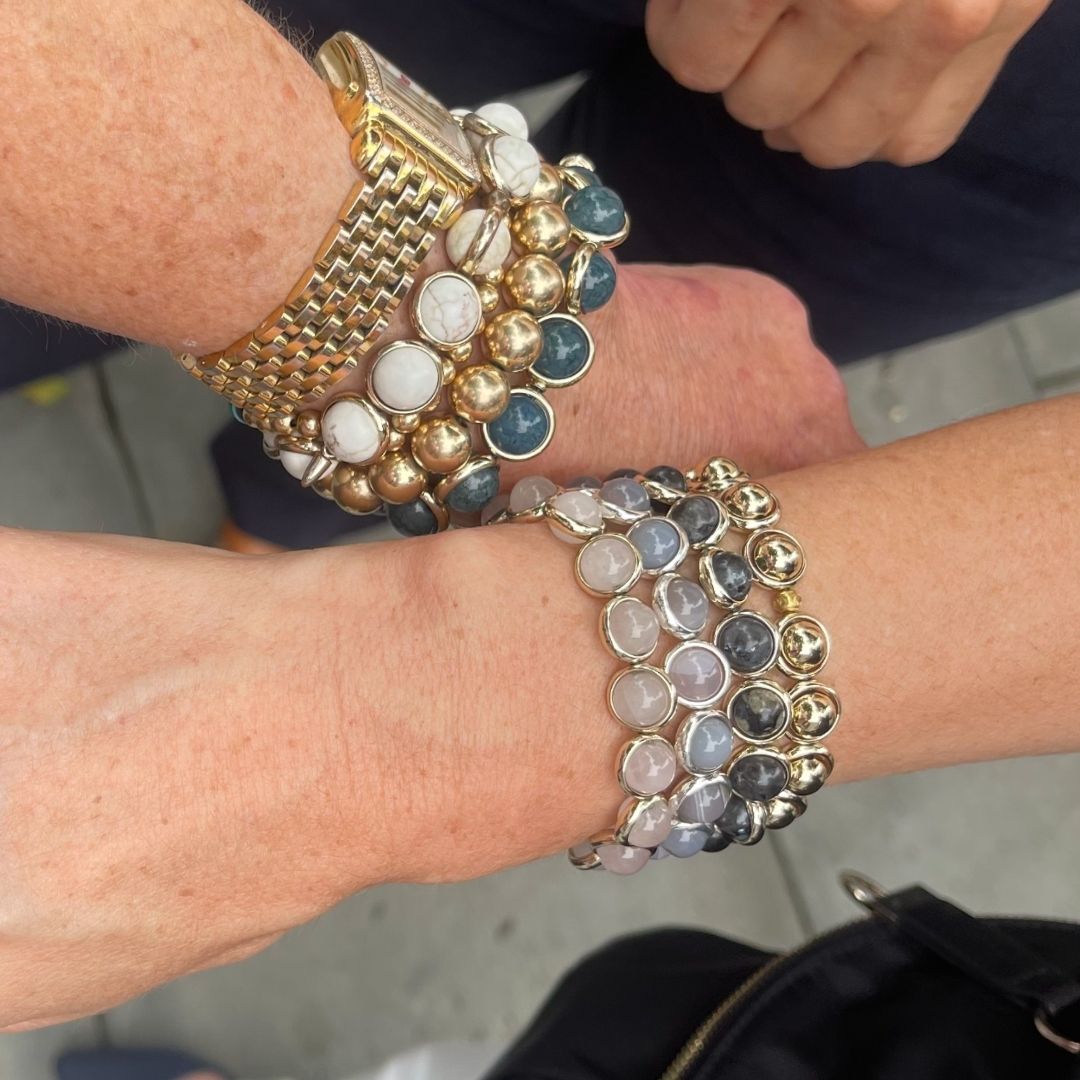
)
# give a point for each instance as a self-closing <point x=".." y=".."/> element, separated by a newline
<point x="417" y="170"/>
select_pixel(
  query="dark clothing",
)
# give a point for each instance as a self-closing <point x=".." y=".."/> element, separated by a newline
<point x="884" y="257"/>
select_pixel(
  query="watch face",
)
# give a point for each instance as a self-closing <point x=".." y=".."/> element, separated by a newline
<point x="394" y="90"/>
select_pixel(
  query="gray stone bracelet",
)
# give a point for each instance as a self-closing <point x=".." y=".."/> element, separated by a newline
<point x="724" y="705"/>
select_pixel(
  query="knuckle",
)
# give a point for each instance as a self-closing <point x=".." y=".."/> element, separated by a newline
<point x="705" y="74"/>
<point x="825" y="153"/>
<point x="908" y="150"/>
<point x="863" y="12"/>
<point x="949" y="25"/>
<point x="756" y="110"/>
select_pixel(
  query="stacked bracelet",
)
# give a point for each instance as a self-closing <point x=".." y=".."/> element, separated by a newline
<point x="727" y="713"/>
<point x="492" y="337"/>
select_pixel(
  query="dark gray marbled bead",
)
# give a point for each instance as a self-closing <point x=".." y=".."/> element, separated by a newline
<point x="735" y="821"/>
<point x="621" y="472"/>
<point x="732" y="574"/>
<point x="699" y="517"/>
<point x="657" y="540"/>
<point x="591" y="482"/>
<point x="412" y="518"/>
<point x="748" y="641"/>
<point x="626" y="493"/>
<point x="759" y="777"/>
<point x="716" y="841"/>
<point x="758" y="712"/>
<point x="669" y="476"/>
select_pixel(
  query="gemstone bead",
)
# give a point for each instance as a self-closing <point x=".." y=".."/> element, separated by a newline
<point x="698" y="672"/>
<point x="759" y="777"/>
<point x="590" y="482"/>
<point x="631" y="628"/>
<point x="716" y="841"/>
<point x="566" y="351"/>
<point x="642" y="698"/>
<point x="579" y="507"/>
<point x="414" y="518"/>
<point x="659" y="542"/>
<point x="699" y="518"/>
<point x="474" y="491"/>
<point x="686" y="840"/>
<point x="523" y="428"/>
<point x="701" y="801"/>
<point x="506" y="117"/>
<point x="648" y="766"/>
<point x="758" y="712"/>
<point x="588" y="175"/>
<point x="517" y="164"/>
<point x="735" y="822"/>
<point x="596" y="209"/>
<point x="652" y="825"/>
<point x="748" y="641"/>
<point x="448" y="309"/>
<point x="608" y="564"/>
<point x="406" y="377"/>
<point x="351" y="431"/>
<point x="295" y="463"/>
<point x="667" y="475"/>
<point x="529" y="492"/>
<point x="682" y="605"/>
<point x="494" y="508"/>
<point x="460" y="236"/>
<point x="598" y="282"/>
<point x="621" y="472"/>
<point x="627" y="494"/>
<point x="731" y="575"/>
<point x="704" y="742"/>
<point x="621" y="860"/>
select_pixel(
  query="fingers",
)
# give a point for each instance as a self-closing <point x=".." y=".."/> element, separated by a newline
<point x="704" y="44"/>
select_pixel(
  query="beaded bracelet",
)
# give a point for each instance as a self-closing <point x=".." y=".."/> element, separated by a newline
<point x="441" y="411"/>
<point x="729" y="725"/>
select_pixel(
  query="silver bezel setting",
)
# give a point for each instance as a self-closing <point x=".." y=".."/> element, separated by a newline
<point x="759" y="684"/>
<point x="686" y="729"/>
<point x="722" y="525"/>
<point x="673" y="703"/>
<point x="614" y="538"/>
<point x="680" y="554"/>
<point x="711" y="585"/>
<point x="662" y="607"/>
<point x="692" y="785"/>
<point x="759" y="751"/>
<point x="632" y="747"/>
<point x="631" y="812"/>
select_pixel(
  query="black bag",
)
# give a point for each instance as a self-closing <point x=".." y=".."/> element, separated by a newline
<point x="919" y="991"/>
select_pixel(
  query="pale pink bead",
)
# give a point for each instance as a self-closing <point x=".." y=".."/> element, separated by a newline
<point x="648" y="767"/>
<point x="529" y="492"/>
<point x="578" y="506"/>
<point x="622" y="860"/>
<point x="642" y="698"/>
<point x="632" y="628"/>
<point x="698" y="671"/>
<point x="608" y="564"/>
<point x="652" y="825"/>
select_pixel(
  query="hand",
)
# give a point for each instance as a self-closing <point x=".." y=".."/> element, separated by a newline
<point x="695" y="361"/>
<point x="844" y="81"/>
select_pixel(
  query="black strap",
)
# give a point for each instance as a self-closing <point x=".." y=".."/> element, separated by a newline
<point x="982" y="952"/>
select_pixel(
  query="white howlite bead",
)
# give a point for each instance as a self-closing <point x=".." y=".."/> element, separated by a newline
<point x="461" y="234"/>
<point x="350" y="432"/>
<point x="517" y="163"/>
<point x="295" y="463"/>
<point x="406" y="376"/>
<point x="506" y="118"/>
<point x="448" y="309"/>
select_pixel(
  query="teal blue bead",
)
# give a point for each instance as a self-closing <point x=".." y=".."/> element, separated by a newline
<point x="413" y="518"/>
<point x="237" y="414"/>
<point x="566" y="349"/>
<point x="596" y="210"/>
<point x="521" y="429"/>
<point x="475" y="491"/>
<point x="586" y="174"/>
<point x="599" y="282"/>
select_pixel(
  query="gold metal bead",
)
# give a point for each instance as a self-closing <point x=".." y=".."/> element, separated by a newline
<point x="352" y="491"/>
<point x="460" y="354"/>
<point x="441" y="444"/>
<point x="541" y="226"/>
<point x="783" y="810"/>
<point x="535" y="283"/>
<point x="397" y="478"/>
<point x="751" y="506"/>
<point x="548" y="185"/>
<point x="810" y="766"/>
<point x="489" y="296"/>
<point x="776" y="558"/>
<point x="804" y="646"/>
<point x="480" y="392"/>
<point x="395" y="440"/>
<point x="307" y="425"/>
<point x="405" y="422"/>
<point x="514" y="340"/>
<point x="449" y="369"/>
<point x="787" y="601"/>
<point x="717" y="474"/>
<point x="815" y="712"/>
<point x="324" y="486"/>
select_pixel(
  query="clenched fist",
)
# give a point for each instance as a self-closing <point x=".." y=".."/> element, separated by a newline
<point x="844" y="81"/>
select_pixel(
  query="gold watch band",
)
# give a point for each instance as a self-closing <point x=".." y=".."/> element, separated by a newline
<point x="335" y="312"/>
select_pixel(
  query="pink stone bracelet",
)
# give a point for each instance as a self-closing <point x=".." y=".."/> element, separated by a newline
<point x="727" y="722"/>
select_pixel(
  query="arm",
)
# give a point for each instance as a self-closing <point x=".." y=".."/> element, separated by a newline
<point x="200" y="751"/>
